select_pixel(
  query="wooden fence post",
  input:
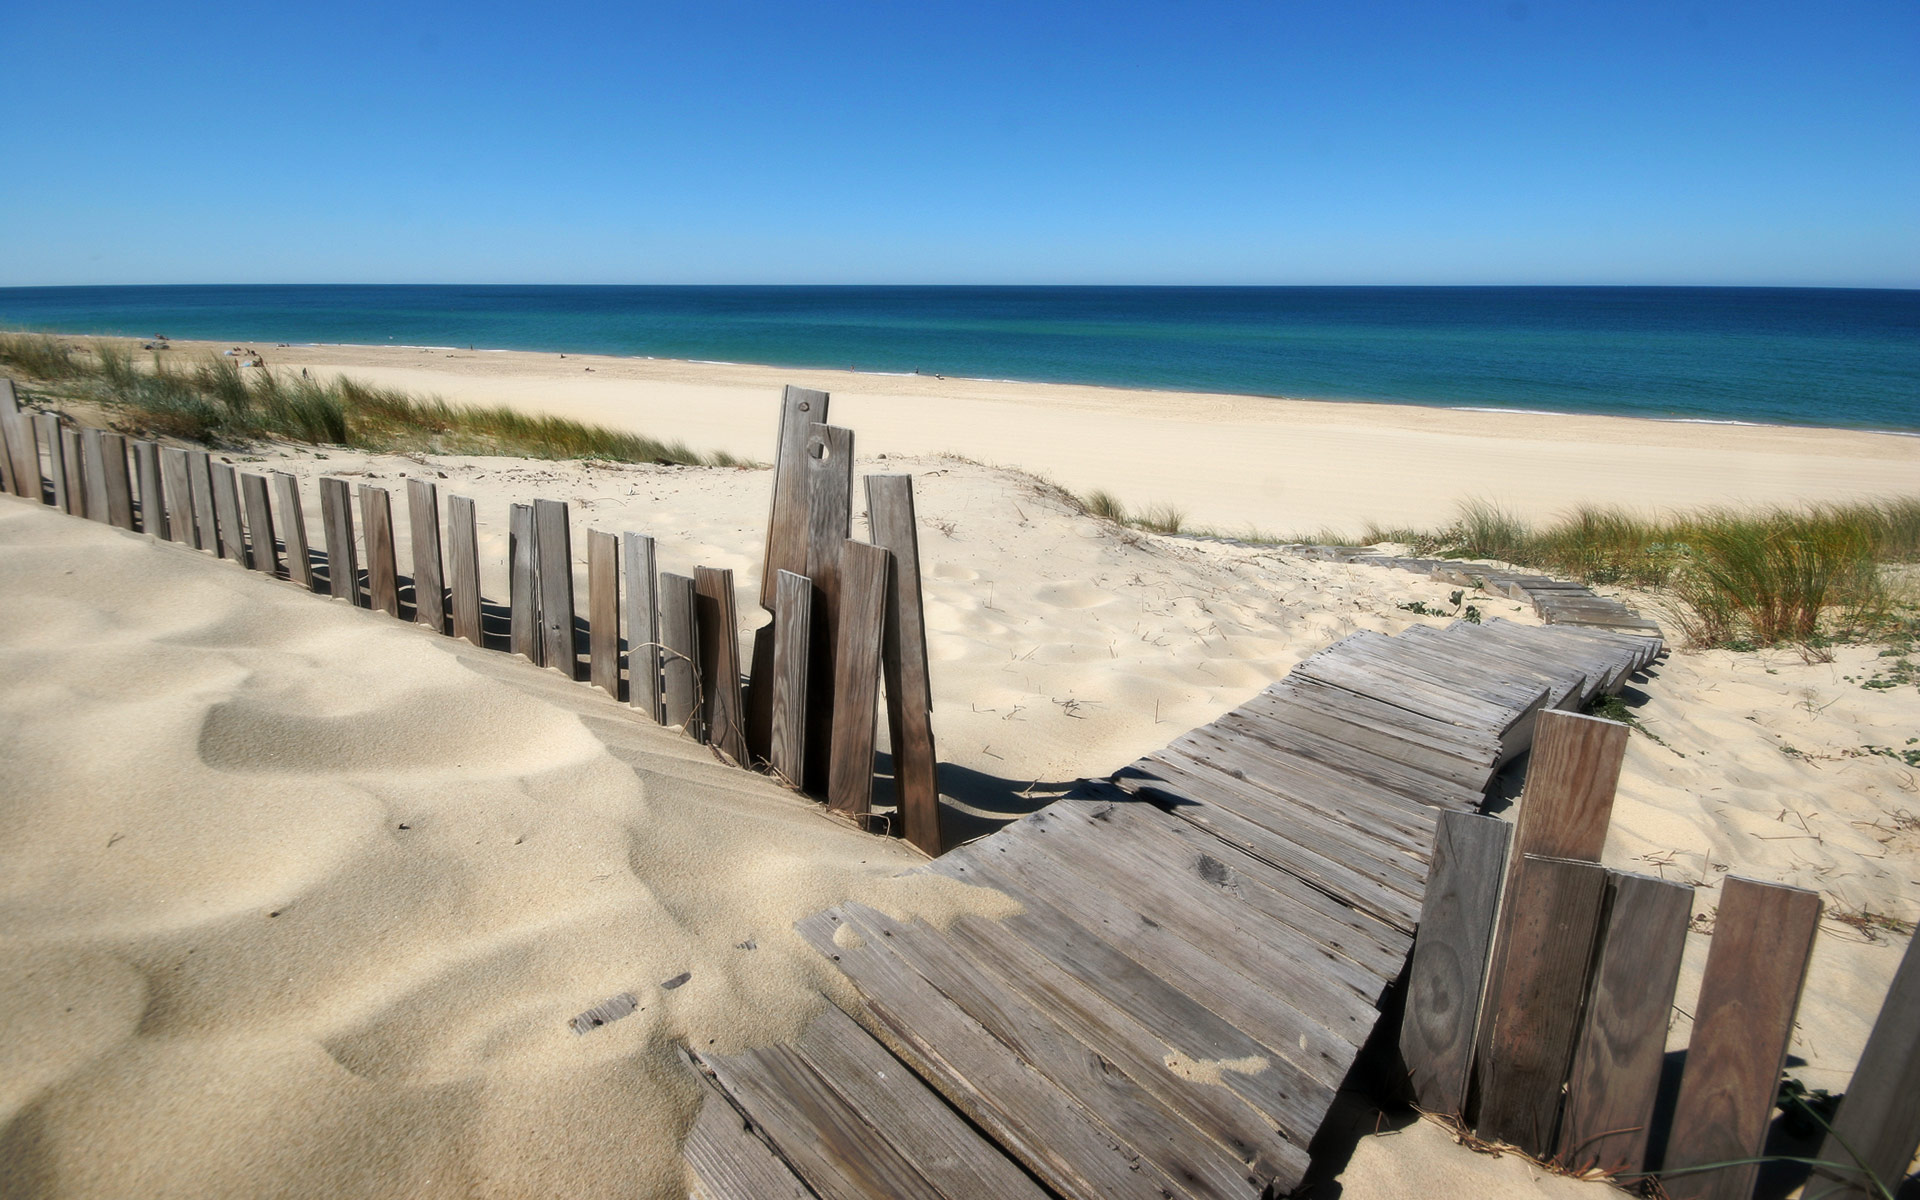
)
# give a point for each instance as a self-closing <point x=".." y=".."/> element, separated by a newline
<point x="800" y="410"/>
<point x="266" y="555"/>
<point x="463" y="569"/>
<point x="555" y="559"/>
<point x="1874" y="1128"/>
<point x="73" y="456"/>
<point x="787" y="681"/>
<point x="829" y="473"/>
<point x="863" y="595"/>
<point x="643" y="626"/>
<point x="1450" y="958"/>
<point x="119" y="480"/>
<point x="678" y="649"/>
<point x="1742" y="1024"/>
<point x="56" y="462"/>
<point x="336" y="519"/>
<point x="429" y="585"/>
<point x="226" y="511"/>
<point x="153" y="505"/>
<point x="523" y="581"/>
<point x="96" y="472"/>
<point x="179" y="497"/>
<point x="718" y="635"/>
<point x="206" y="519"/>
<point x="603" y="612"/>
<point x="916" y="780"/>
<point x="22" y="446"/>
<point x="293" y="529"/>
<point x="383" y="571"/>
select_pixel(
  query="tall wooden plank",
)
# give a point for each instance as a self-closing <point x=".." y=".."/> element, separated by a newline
<point x="1567" y="801"/>
<point x="555" y="559"/>
<point x="74" y="457"/>
<point x="463" y="568"/>
<point x="293" y="529"/>
<point x="56" y="461"/>
<point x="1450" y="958"/>
<point x="1742" y="1024"/>
<point x="792" y="625"/>
<point x="343" y="560"/>
<point x="383" y="572"/>
<point x="264" y="551"/>
<point x="829" y="475"/>
<point x="153" y="504"/>
<point x="226" y="511"/>
<point x="1877" y="1129"/>
<point x="429" y="585"/>
<point x="603" y="611"/>
<point x="1623" y="1036"/>
<point x="119" y="481"/>
<point x="178" y="497"/>
<point x="94" y="449"/>
<point x="9" y="480"/>
<point x="903" y="659"/>
<point x="643" y="625"/>
<point x="863" y="596"/>
<point x="22" y="449"/>
<point x="719" y="641"/>
<point x="787" y="518"/>
<point x="1532" y="1015"/>
<point x="523" y="571"/>
<point x="678" y="651"/>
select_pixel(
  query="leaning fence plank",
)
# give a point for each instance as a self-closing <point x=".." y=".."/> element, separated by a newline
<point x="10" y="479"/>
<point x="206" y="521"/>
<point x="1531" y="1016"/>
<point x="429" y="586"/>
<point x="178" y="496"/>
<point x="1572" y="772"/>
<point x="1623" y="1034"/>
<point x="719" y="641"/>
<point x="829" y="471"/>
<point x="119" y="480"/>
<point x="1876" y="1128"/>
<point x="1450" y="958"/>
<point x="787" y="519"/>
<point x="523" y="569"/>
<point x="383" y="572"/>
<point x="22" y="449"/>
<point x="903" y="658"/>
<point x="293" y="529"/>
<point x="863" y="595"/>
<point x="153" y="505"/>
<point x="555" y="560"/>
<point x="264" y="550"/>
<point x="787" y="685"/>
<point x="677" y="651"/>
<point x="94" y="449"/>
<point x="603" y="611"/>
<point x="463" y="568"/>
<point x="56" y="461"/>
<point x="1742" y="1023"/>
<point x="226" y="510"/>
<point x="336" y="518"/>
<point x="643" y="625"/>
<point x="73" y="455"/>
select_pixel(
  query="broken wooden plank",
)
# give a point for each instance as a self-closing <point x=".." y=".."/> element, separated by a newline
<point x="643" y="626"/>
<point x="153" y="505"/>
<point x="552" y="532"/>
<point x="293" y="529"/>
<point x="678" y="654"/>
<point x="1444" y="984"/>
<point x="829" y="475"/>
<point x="787" y="683"/>
<point x="383" y="570"/>
<point x="429" y="584"/>
<point x="463" y="569"/>
<point x="263" y="552"/>
<point x="336" y="520"/>
<point x="863" y="595"/>
<point x="719" y="642"/>
<point x="1875" y="1130"/>
<point x="903" y="658"/>
<point x="523" y="573"/>
<point x="603" y="611"/>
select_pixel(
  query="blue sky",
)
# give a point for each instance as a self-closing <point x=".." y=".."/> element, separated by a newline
<point x="1537" y="141"/>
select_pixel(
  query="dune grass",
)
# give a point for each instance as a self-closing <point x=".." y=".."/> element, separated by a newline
<point x="1155" y="518"/>
<point x="217" y="401"/>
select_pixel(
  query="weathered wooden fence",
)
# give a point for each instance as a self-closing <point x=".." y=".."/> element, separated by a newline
<point x="844" y="613"/>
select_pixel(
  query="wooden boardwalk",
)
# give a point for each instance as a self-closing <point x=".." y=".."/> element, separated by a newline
<point x="1205" y="943"/>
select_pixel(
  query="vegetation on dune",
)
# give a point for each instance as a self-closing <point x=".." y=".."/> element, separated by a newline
<point x="217" y="401"/>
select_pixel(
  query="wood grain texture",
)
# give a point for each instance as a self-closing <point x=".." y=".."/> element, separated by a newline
<point x="74" y="463"/>
<point x="1623" y="1036"/>
<point x="96" y="473"/>
<point x="56" y="462"/>
<point x="729" y="1161"/>
<point x="787" y="683"/>
<point x="429" y="581"/>
<point x="1878" y="1125"/>
<point x="293" y="529"/>
<point x="679" y="652"/>
<point x="22" y="446"/>
<point x="226" y="510"/>
<point x="383" y="571"/>
<point x="523" y="572"/>
<point x="829" y="475"/>
<point x="787" y="516"/>
<point x="1532" y="1016"/>
<point x="343" y="559"/>
<point x="719" y="641"/>
<point x="603" y="611"/>
<point x="153" y="503"/>
<point x="463" y="568"/>
<point x="1444" y="986"/>
<point x="262" y="550"/>
<point x="903" y="659"/>
<point x="1742" y="1023"/>
<point x="553" y="532"/>
<point x="119" y="480"/>
<point x="643" y="624"/>
<point x="863" y="598"/>
<point x="1568" y="798"/>
<point x="206" y="518"/>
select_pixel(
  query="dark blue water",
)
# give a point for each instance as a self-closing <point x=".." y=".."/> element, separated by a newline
<point x="1797" y="356"/>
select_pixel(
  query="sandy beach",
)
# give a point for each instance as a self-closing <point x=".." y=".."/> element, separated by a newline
<point x="313" y="894"/>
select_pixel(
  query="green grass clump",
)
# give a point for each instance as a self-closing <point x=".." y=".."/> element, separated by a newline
<point x="1162" y="518"/>
<point x="216" y="401"/>
<point x="1104" y="505"/>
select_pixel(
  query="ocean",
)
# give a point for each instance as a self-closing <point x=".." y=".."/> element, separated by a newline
<point x="1793" y="356"/>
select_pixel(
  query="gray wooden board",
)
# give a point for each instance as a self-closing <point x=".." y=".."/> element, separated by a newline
<point x="1315" y="729"/>
<point x="226" y="510"/>
<point x="1481" y="680"/>
<point x="96" y="473"/>
<point x="909" y="689"/>
<point x="263" y="550"/>
<point x="14" y="443"/>
<point x="1413" y="780"/>
<point x="793" y="610"/>
<point x="1533" y="1002"/>
<point x="1473" y="745"/>
<point x="336" y="522"/>
<point x="523" y="582"/>
<point x="728" y="1161"/>
<point x="718" y="637"/>
<point x="1878" y="1125"/>
<point x="863" y="596"/>
<point x="206" y="520"/>
<point x="153" y="506"/>
<point x="787" y="516"/>
<point x="643" y="624"/>
<point x="118" y="480"/>
<point x="73" y="460"/>
<point x="1567" y="802"/>
<point x="1064" y="1145"/>
<point x="1563" y="683"/>
<point x="551" y="532"/>
<point x="603" y="611"/>
<point x="463" y="569"/>
<point x="56" y="461"/>
<point x="1450" y="959"/>
<point x="1623" y="1033"/>
<point x="829" y="475"/>
<point x="1409" y="690"/>
<point x="1762" y="938"/>
<point x="678" y="654"/>
<point x="429" y="582"/>
<point x="1581" y="675"/>
<point x="293" y="529"/>
<point x="383" y="570"/>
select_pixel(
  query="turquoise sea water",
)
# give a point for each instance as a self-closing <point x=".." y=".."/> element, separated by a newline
<point x="1801" y="356"/>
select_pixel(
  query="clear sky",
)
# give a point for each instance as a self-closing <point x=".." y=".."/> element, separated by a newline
<point x="1184" y="141"/>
